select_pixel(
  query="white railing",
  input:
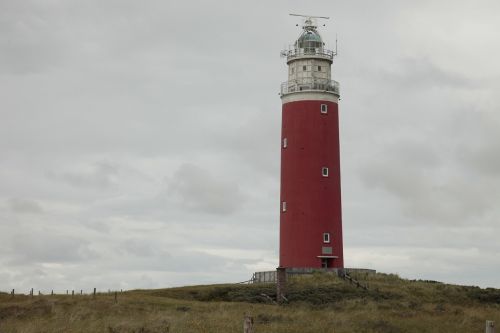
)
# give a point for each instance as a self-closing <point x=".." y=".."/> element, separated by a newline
<point x="308" y="84"/>
<point x="308" y="52"/>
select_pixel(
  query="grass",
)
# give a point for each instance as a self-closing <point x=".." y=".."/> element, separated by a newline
<point x="317" y="303"/>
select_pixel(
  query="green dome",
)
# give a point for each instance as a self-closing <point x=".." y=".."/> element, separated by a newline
<point x="310" y="40"/>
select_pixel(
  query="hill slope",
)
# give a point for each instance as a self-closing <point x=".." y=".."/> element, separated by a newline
<point x="317" y="303"/>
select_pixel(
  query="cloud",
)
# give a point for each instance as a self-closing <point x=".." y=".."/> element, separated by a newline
<point x="24" y="206"/>
<point x="425" y="75"/>
<point x="100" y="175"/>
<point x="29" y="44"/>
<point x="48" y="248"/>
<point x="197" y="190"/>
<point x="140" y="248"/>
<point x="430" y="188"/>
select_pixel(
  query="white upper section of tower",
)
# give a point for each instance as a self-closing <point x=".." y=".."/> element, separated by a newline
<point x="309" y="63"/>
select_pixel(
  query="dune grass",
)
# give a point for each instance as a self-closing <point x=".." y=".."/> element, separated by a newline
<point x="317" y="303"/>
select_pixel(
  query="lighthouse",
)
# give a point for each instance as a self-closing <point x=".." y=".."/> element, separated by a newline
<point x="310" y="207"/>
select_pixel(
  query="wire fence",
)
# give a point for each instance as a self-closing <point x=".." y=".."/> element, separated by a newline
<point x="70" y="293"/>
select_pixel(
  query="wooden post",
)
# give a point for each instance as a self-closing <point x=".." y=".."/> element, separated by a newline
<point x="248" y="324"/>
<point x="12" y="293"/>
<point x="72" y="293"/>
<point x="31" y="292"/>
<point x="81" y="291"/>
<point x="52" y="292"/>
<point x="116" y="295"/>
<point x="280" y="284"/>
<point x="67" y="292"/>
<point x="490" y="326"/>
<point x="94" y="292"/>
<point x="39" y="293"/>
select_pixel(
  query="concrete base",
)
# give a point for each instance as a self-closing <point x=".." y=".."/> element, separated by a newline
<point x="271" y="276"/>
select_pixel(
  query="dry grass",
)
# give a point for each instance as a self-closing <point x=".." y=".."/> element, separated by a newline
<point x="318" y="303"/>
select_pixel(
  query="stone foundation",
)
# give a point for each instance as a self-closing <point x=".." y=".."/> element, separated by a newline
<point x="271" y="276"/>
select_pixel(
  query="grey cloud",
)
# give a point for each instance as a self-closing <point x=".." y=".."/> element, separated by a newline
<point x="48" y="248"/>
<point x="28" y="44"/>
<point x="25" y="206"/>
<point x="196" y="189"/>
<point x="401" y="168"/>
<point x="256" y="142"/>
<point x="178" y="261"/>
<point x="140" y="248"/>
<point x="427" y="192"/>
<point x="480" y="143"/>
<point x="100" y="175"/>
<point x="422" y="73"/>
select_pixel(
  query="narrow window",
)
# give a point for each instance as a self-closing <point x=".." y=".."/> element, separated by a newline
<point x="324" y="171"/>
<point x="292" y="70"/>
<point x="283" y="206"/>
<point x="326" y="237"/>
<point x="304" y="68"/>
<point x="319" y="68"/>
<point x="324" y="108"/>
<point x="285" y="142"/>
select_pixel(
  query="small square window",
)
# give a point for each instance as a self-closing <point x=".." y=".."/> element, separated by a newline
<point x="304" y="68"/>
<point x="285" y="142"/>
<point x="283" y="206"/>
<point x="326" y="237"/>
<point x="324" y="108"/>
<point x="319" y="68"/>
<point x="324" y="171"/>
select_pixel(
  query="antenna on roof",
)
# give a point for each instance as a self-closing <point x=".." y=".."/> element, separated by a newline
<point x="310" y="21"/>
<point x="336" y="53"/>
<point x="311" y="16"/>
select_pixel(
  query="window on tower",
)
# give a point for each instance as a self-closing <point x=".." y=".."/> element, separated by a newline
<point x="326" y="237"/>
<point x="319" y="68"/>
<point x="324" y="108"/>
<point x="304" y="68"/>
<point x="324" y="171"/>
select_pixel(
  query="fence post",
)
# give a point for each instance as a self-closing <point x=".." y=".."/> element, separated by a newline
<point x="116" y="297"/>
<point x="280" y="284"/>
<point x="12" y="293"/>
<point x="94" y="292"/>
<point x="248" y="324"/>
<point x="72" y="293"/>
<point x="52" y="292"/>
<point x="81" y="291"/>
<point x="31" y="292"/>
<point x="490" y="326"/>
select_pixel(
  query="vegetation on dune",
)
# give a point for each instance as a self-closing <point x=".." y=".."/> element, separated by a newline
<point x="317" y="303"/>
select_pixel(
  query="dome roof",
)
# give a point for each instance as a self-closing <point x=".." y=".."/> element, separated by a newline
<point x="309" y="39"/>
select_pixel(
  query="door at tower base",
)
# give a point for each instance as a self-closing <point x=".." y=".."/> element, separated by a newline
<point x="310" y="217"/>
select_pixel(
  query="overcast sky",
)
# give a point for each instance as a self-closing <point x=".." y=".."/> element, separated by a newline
<point x="140" y="140"/>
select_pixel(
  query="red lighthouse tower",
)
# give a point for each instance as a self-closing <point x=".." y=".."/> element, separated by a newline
<point x="311" y="217"/>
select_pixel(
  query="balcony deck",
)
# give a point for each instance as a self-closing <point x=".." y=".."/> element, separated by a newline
<point x="295" y="53"/>
<point x="310" y="84"/>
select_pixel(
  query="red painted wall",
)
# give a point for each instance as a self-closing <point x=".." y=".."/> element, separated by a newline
<point x="313" y="201"/>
